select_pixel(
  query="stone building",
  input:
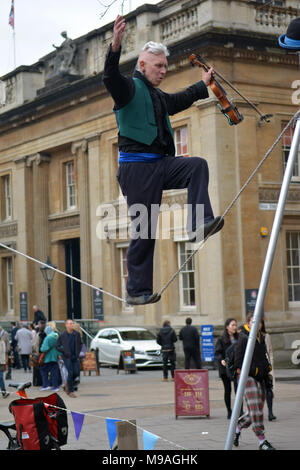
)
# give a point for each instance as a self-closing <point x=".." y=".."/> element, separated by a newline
<point x="58" y="160"/>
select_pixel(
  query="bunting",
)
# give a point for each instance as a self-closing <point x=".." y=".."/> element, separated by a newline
<point x="78" y="419"/>
<point x="149" y="440"/>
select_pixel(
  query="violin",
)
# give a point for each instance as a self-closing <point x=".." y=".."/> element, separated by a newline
<point x="225" y="105"/>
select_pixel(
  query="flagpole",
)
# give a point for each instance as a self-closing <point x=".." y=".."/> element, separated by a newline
<point x="14" y="38"/>
<point x="11" y="22"/>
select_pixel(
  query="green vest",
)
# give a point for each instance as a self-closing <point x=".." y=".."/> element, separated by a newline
<point x="136" y="120"/>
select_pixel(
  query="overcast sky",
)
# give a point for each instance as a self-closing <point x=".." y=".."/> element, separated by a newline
<point x="38" y="24"/>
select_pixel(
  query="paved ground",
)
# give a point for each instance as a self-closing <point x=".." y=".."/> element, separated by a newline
<point x="148" y="400"/>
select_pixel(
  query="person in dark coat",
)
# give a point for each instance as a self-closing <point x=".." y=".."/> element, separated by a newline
<point x="166" y="338"/>
<point x="229" y="337"/>
<point x="255" y="391"/>
<point x="38" y="315"/>
<point x="14" y="345"/>
<point x="69" y="346"/>
<point x="147" y="163"/>
<point x="191" y="344"/>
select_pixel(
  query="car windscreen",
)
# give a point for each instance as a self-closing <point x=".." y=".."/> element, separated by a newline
<point x="137" y="335"/>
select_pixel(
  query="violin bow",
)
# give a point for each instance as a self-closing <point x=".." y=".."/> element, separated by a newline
<point x="263" y="117"/>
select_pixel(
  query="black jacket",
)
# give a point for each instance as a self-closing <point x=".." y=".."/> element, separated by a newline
<point x="260" y="366"/>
<point x="63" y="344"/>
<point x="222" y="344"/>
<point x="190" y="337"/>
<point x="166" y="338"/>
<point x="38" y="315"/>
<point x="122" y="90"/>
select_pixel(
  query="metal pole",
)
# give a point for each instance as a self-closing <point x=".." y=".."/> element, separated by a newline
<point x="49" y="303"/>
<point x="263" y="286"/>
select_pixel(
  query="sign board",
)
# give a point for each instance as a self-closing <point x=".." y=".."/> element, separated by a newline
<point x="207" y="343"/>
<point x="98" y="305"/>
<point x="89" y="363"/>
<point x="251" y="297"/>
<point x="23" y="306"/>
<point x="127" y="358"/>
<point x="191" y="392"/>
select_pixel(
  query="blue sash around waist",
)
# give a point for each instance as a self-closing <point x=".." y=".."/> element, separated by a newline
<point x="125" y="157"/>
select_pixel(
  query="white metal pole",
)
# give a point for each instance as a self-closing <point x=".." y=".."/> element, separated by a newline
<point x="263" y="286"/>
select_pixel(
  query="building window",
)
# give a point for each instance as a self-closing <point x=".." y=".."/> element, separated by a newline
<point x="293" y="265"/>
<point x="8" y="283"/>
<point x="181" y="141"/>
<point x="70" y="185"/>
<point x="286" y="145"/>
<point x="186" y="276"/>
<point x="5" y="198"/>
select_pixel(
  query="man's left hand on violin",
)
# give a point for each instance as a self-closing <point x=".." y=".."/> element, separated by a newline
<point x="207" y="76"/>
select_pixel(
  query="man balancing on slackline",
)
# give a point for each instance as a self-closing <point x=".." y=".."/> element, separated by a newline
<point x="147" y="163"/>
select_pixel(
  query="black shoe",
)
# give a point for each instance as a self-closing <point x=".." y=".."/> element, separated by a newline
<point x="271" y="417"/>
<point x="236" y="439"/>
<point x="209" y="228"/>
<point x="143" y="299"/>
<point x="266" y="446"/>
<point x="229" y="413"/>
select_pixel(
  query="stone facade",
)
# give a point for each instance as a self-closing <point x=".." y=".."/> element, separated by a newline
<point x="58" y="146"/>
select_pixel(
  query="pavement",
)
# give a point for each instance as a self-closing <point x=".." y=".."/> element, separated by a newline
<point x="145" y="398"/>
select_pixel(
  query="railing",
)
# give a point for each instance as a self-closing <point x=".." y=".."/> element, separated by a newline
<point x="179" y="24"/>
<point x="274" y="16"/>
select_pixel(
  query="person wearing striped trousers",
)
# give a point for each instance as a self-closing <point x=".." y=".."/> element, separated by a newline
<point x="255" y="385"/>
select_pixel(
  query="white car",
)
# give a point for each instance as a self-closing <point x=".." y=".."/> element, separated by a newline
<point x="111" y="341"/>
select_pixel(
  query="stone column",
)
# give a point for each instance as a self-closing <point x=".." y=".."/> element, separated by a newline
<point x="94" y="202"/>
<point x="23" y="214"/>
<point x="80" y="151"/>
<point x="40" y="211"/>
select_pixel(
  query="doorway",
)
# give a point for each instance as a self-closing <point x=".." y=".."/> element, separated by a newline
<point x="73" y="288"/>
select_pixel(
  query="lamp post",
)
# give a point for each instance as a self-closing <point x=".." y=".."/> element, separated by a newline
<point x="48" y="275"/>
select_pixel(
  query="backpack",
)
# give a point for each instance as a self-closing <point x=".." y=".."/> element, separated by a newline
<point x="41" y="423"/>
<point x="229" y="359"/>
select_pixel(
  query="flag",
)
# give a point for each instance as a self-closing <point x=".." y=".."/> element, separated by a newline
<point x="149" y="440"/>
<point x="78" y="419"/>
<point x="111" y="430"/>
<point x="11" y="20"/>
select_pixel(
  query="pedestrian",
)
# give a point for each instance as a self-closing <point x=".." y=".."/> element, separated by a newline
<point x="270" y="382"/>
<point x="255" y="385"/>
<point x="4" y="350"/>
<point x="38" y="315"/>
<point x="24" y="339"/>
<point x="36" y="352"/>
<point x="14" y="345"/>
<point x="50" y="361"/>
<point x="147" y="163"/>
<point x="191" y="344"/>
<point x="229" y="337"/>
<point x="82" y="355"/>
<point x="166" y="338"/>
<point x="33" y="330"/>
<point x="69" y="346"/>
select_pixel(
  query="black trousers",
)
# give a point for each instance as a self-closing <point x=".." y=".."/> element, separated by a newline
<point x="192" y="354"/>
<point x="227" y="390"/>
<point x="143" y="184"/>
<point x="169" y="356"/>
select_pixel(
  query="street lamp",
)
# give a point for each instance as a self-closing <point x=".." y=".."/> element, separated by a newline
<point x="48" y="275"/>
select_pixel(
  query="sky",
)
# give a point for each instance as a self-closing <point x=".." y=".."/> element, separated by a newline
<point x="38" y="24"/>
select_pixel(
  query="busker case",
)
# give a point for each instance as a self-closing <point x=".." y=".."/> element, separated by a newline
<point x="41" y="423"/>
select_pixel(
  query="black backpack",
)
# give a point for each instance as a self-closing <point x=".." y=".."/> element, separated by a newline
<point x="229" y="359"/>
